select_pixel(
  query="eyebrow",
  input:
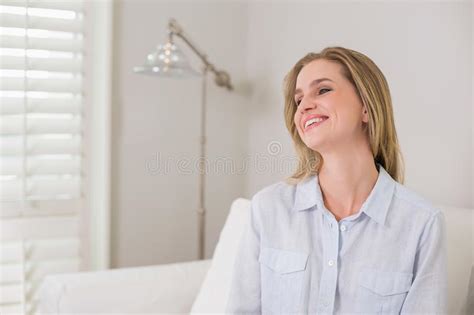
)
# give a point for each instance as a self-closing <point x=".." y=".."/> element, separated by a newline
<point x="313" y="83"/>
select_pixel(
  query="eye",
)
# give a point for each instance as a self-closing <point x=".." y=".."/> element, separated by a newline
<point x="323" y="89"/>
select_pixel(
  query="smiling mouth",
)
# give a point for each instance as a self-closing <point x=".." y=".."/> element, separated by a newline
<point x="313" y="123"/>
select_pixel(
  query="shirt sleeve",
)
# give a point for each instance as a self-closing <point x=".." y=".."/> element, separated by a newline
<point x="428" y="293"/>
<point x="244" y="296"/>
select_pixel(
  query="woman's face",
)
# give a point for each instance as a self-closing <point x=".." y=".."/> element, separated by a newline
<point x="323" y="92"/>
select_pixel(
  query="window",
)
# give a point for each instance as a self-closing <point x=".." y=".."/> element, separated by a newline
<point x="41" y="146"/>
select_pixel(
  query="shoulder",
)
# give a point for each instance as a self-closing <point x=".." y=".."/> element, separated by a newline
<point x="275" y="196"/>
<point x="414" y="199"/>
<point x="411" y="204"/>
<point x="423" y="216"/>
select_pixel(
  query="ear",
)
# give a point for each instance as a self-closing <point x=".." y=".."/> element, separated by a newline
<point x="365" y="115"/>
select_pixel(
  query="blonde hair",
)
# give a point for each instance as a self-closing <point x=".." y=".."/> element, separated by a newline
<point x="374" y="93"/>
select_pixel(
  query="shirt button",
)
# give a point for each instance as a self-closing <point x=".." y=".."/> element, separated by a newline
<point x="331" y="263"/>
<point x="343" y="228"/>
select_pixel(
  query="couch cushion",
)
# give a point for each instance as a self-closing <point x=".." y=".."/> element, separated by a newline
<point x="159" y="289"/>
<point x="459" y="230"/>
<point x="214" y="292"/>
<point x="469" y="303"/>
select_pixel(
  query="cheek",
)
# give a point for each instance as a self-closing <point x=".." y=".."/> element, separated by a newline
<point x="296" y="119"/>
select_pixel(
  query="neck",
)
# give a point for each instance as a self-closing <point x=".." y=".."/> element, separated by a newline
<point x="346" y="181"/>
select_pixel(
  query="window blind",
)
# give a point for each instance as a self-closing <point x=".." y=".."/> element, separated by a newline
<point x="41" y="146"/>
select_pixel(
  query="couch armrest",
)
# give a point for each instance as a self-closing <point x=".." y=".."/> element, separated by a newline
<point x="168" y="288"/>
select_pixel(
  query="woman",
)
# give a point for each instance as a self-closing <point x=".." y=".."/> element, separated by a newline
<point x="342" y="234"/>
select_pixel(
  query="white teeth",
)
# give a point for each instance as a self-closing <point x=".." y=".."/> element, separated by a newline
<point x="313" y="120"/>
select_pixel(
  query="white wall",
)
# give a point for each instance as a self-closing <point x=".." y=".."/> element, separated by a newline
<point x="472" y="124"/>
<point x="153" y="211"/>
<point x="423" y="48"/>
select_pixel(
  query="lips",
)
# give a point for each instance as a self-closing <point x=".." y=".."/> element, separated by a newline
<point x="314" y="124"/>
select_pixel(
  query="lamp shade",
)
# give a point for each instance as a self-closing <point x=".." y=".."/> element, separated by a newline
<point x="168" y="60"/>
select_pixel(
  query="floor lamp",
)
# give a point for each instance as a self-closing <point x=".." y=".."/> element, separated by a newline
<point x="168" y="61"/>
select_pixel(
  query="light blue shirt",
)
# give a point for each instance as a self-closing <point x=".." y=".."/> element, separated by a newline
<point x="295" y="257"/>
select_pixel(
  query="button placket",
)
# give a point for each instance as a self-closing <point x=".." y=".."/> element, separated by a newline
<point x="329" y="274"/>
<point x="332" y="267"/>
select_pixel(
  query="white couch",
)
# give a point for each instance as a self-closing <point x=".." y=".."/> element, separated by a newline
<point x="199" y="287"/>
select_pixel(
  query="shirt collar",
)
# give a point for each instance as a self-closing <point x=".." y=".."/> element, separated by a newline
<point x="308" y="194"/>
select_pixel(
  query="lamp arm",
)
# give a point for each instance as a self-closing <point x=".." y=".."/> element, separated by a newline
<point x="222" y="78"/>
<point x="175" y="29"/>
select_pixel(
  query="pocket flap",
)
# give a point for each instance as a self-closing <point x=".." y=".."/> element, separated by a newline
<point x="385" y="282"/>
<point x="283" y="261"/>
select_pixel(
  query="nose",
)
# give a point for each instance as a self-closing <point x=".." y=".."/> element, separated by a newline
<point x="306" y="104"/>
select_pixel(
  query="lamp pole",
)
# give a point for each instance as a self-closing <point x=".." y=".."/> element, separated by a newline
<point x="202" y="170"/>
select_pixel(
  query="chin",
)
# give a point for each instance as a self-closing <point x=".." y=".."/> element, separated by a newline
<point x="314" y="145"/>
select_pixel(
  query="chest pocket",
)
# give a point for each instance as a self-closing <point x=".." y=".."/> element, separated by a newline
<point x="382" y="291"/>
<point x="283" y="274"/>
